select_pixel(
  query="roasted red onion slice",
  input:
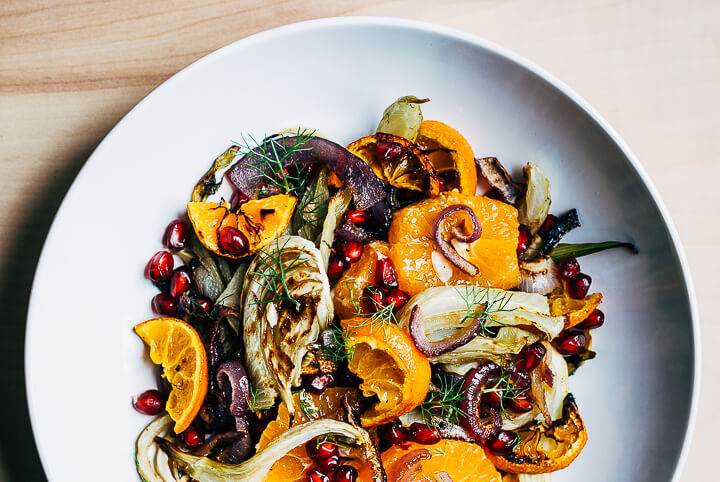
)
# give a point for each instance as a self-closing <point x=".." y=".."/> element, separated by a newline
<point x="444" y="246"/>
<point x="408" y="466"/>
<point x="499" y="179"/>
<point x="248" y="173"/>
<point x="435" y="348"/>
<point x="474" y="421"/>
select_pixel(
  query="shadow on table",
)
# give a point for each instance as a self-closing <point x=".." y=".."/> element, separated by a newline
<point x="19" y="459"/>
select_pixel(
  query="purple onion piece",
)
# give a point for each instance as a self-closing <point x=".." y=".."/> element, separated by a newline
<point x="445" y="248"/>
<point x="435" y="348"/>
<point x="247" y="174"/>
<point x="473" y="385"/>
<point x="234" y="385"/>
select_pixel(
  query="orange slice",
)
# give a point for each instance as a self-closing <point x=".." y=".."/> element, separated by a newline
<point x="412" y="170"/>
<point x="435" y="134"/>
<point x="495" y="253"/>
<point x="177" y="347"/>
<point x="260" y="220"/>
<point x="350" y="288"/>
<point x="391" y="368"/>
<point x="294" y="464"/>
<point x="462" y="461"/>
<point x="574" y="311"/>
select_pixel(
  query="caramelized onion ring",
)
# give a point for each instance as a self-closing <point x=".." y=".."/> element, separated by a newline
<point x="435" y="348"/>
<point x="473" y="385"/>
<point x="444" y="246"/>
<point x="408" y="466"/>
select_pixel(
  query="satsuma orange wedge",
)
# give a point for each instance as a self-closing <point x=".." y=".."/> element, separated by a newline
<point x="260" y="220"/>
<point x="574" y="311"/>
<point x="293" y="466"/>
<point x="391" y="368"/>
<point x="462" y="461"/>
<point x="177" y="347"/>
<point x="350" y="289"/>
<point x="453" y="153"/>
<point x="495" y="253"/>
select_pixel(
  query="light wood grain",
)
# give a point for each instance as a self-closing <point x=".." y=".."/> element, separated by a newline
<point x="70" y="70"/>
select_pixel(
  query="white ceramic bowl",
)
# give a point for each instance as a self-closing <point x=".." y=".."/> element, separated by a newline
<point x="84" y="363"/>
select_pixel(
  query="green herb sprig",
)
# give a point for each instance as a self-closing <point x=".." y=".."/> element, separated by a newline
<point x="273" y="272"/>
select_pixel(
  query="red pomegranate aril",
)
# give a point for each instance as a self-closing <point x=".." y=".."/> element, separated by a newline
<point x="394" y="433"/>
<point x="345" y="473"/>
<point x="238" y="199"/>
<point x="388" y="151"/>
<point x="352" y="250"/>
<point x="160" y="266"/>
<point x="335" y="269"/>
<point x="385" y="274"/>
<point x="502" y="443"/>
<point x="570" y="343"/>
<point x="181" y="281"/>
<point x="316" y="475"/>
<point x="357" y="217"/>
<point x="569" y="268"/>
<point x="328" y="464"/>
<point x="547" y="225"/>
<point x="519" y="403"/>
<point x="529" y="357"/>
<point x="164" y="304"/>
<point x="596" y="319"/>
<point x="232" y="241"/>
<point x="205" y="305"/>
<point x="424" y="434"/>
<point x="579" y="286"/>
<point x="318" y="383"/>
<point x="149" y="402"/>
<point x="492" y="398"/>
<point x="317" y="450"/>
<point x="376" y="298"/>
<point x="175" y="235"/>
<point x="398" y="297"/>
<point x="442" y="184"/>
<point x="524" y="238"/>
<point x="193" y="438"/>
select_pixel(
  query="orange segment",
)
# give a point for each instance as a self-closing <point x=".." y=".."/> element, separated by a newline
<point x="350" y="288"/>
<point x="574" y="311"/>
<point x="177" y="347"/>
<point x="462" y="461"/>
<point x="495" y="253"/>
<point x="260" y="220"/>
<point x="435" y="134"/>
<point x="292" y="467"/>
<point x="391" y="368"/>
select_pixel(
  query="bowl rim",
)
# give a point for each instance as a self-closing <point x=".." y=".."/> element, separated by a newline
<point x="427" y="27"/>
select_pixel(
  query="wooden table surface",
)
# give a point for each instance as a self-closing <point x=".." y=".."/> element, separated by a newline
<point x="70" y="70"/>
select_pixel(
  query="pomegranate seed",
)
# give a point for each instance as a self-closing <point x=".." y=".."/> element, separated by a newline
<point x="193" y="438"/>
<point x="345" y="473"/>
<point x="181" y="281"/>
<point x="352" y="250"/>
<point x="385" y="274"/>
<point x="149" y="402"/>
<point x="492" y="398"/>
<point x="398" y="297"/>
<point x="164" y="304"/>
<point x="424" y="434"/>
<point x="233" y="241"/>
<point x="388" y="151"/>
<point x="205" y="305"/>
<point x="357" y="217"/>
<point x="376" y="297"/>
<point x="520" y="380"/>
<point x="529" y="357"/>
<point x="335" y="269"/>
<point x="441" y="182"/>
<point x="569" y="268"/>
<point x="594" y="320"/>
<point x="175" y="235"/>
<point x="570" y="343"/>
<point x="320" y="450"/>
<point x="502" y="443"/>
<point x="315" y="475"/>
<point x="160" y="266"/>
<point x="328" y="464"/>
<point x="520" y="403"/>
<point x="547" y="225"/>
<point x="578" y="286"/>
<point x="394" y="433"/>
<point x="318" y="383"/>
<point x="524" y="238"/>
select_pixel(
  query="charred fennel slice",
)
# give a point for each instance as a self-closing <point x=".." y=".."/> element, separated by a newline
<point x="286" y="305"/>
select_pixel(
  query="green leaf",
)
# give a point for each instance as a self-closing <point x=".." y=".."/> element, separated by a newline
<point x="566" y="250"/>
